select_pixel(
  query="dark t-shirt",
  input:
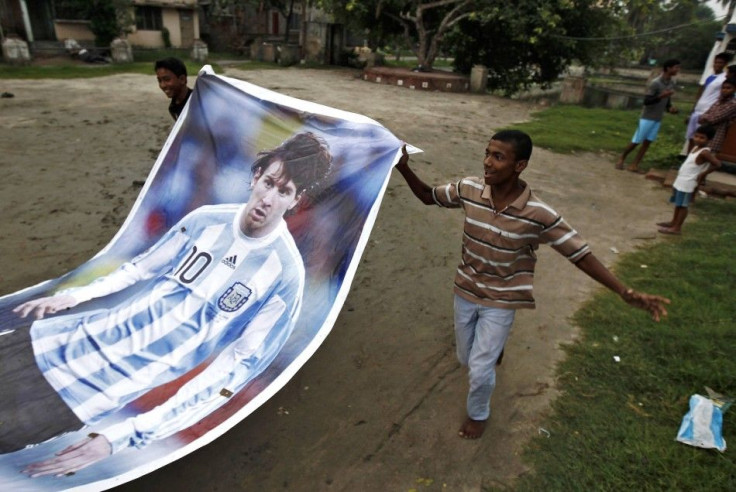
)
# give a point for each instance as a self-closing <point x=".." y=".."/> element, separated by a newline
<point x="655" y="110"/>
<point x="176" y="109"/>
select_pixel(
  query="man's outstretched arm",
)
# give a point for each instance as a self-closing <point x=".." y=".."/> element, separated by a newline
<point x="146" y="265"/>
<point x="655" y="305"/>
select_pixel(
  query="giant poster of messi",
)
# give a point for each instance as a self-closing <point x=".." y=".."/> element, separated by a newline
<point x="226" y="276"/>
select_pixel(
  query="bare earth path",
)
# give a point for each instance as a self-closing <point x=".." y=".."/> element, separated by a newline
<point x="379" y="405"/>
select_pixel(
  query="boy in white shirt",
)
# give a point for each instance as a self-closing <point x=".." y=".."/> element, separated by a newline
<point x="699" y="163"/>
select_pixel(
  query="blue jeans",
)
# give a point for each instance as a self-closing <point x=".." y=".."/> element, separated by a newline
<point x="480" y="334"/>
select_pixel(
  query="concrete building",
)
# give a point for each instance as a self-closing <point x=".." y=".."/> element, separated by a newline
<point x="38" y="21"/>
<point x="263" y="32"/>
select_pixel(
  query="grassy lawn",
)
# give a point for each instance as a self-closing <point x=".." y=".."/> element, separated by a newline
<point x="614" y="425"/>
<point x="566" y="128"/>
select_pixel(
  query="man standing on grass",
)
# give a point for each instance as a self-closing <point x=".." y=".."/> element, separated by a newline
<point x="657" y="100"/>
<point x="707" y="95"/>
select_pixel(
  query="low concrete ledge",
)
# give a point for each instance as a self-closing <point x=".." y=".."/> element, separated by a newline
<point x="425" y="81"/>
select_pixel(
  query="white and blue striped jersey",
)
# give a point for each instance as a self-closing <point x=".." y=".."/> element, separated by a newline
<point x="214" y="291"/>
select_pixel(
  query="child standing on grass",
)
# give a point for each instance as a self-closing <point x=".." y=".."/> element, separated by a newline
<point x="504" y="224"/>
<point x="699" y="163"/>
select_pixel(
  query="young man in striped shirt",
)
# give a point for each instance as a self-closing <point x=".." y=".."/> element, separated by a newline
<point x="224" y="285"/>
<point x="504" y="224"/>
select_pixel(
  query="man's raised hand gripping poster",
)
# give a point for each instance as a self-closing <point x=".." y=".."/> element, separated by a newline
<point x="228" y="273"/>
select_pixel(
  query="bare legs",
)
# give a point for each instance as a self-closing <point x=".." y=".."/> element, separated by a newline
<point x="634" y="166"/>
<point x="675" y="226"/>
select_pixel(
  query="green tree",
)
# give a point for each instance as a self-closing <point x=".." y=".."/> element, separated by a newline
<point x="530" y="41"/>
<point x="422" y="23"/>
<point x="653" y="30"/>
<point x="430" y="20"/>
<point x="366" y="17"/>
<point x="692" y="43"/>
<point x="525" y="37"/>
<point x="103" y="21"/>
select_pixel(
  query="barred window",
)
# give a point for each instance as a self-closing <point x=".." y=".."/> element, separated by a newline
<point x="148" y="18"/>
<point x="296" y="22"/>
<point x="71" y="10"/>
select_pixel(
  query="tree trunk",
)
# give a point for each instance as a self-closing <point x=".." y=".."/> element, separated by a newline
<point x="288" y="21"/>
<point x="303" y="31"/>
<point x="430" y="39"/>
<point x="422" y="34"/>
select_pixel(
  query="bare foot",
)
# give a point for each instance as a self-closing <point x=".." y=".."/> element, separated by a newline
<point x="669" y="230"/>
<point x="666" y="225"/>
<point x="633" y="169"/>
<point x="472" y="429"/>
<point x="620" y="164"/>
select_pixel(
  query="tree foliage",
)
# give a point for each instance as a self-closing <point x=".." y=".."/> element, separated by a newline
<point x="365" y="18"/>
<point x="650" y="30"/>
<point x="530" y="41"/>
<point x="692" y="44"/>
<point x="422" y="23"/>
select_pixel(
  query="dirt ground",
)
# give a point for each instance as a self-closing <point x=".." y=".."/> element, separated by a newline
<point x="378" y="406"/>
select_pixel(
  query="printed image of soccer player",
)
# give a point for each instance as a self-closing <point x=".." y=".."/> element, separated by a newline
<point x="226" y="285"/>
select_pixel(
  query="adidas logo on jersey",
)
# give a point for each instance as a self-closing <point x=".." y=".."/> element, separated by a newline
<point x="230" y="261"/>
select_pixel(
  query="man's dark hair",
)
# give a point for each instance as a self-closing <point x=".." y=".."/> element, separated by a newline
<point x="174" y="64"/>
<point x="730" y="80"/>
<point x="726" y="57"/>
<point x="520" y="141"/>
<point x="306" y="159"/>
<point x="706" y="130"/>
<point x="671" y="63"/>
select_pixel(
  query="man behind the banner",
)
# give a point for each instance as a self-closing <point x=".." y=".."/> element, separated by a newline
<point x="226" y="285"/>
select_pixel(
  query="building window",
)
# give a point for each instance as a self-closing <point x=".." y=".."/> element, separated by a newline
<point x="148" y="18"/>
<point x="70" y="10"/>
<point x="295" y="23"/>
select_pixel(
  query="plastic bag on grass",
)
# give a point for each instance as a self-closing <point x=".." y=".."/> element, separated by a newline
<point x="702" y="425"/>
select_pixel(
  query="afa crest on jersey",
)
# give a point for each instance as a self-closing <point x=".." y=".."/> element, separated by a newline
<point x="234" y="297"/>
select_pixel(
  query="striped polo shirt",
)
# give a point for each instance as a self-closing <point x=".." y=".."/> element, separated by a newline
<point x="498" y="259"/>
